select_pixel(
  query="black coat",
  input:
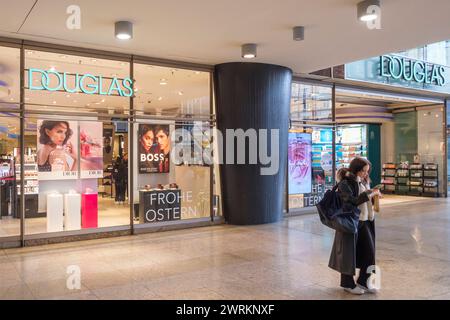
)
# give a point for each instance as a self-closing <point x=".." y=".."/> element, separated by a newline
<point x="343" y="254"/>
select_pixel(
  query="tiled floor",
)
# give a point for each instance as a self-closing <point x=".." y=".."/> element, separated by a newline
<point x="286" y="260"/>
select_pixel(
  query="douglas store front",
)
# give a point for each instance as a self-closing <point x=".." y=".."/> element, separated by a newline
<point x="85" y="144"/>
<point x="392" y="109"/>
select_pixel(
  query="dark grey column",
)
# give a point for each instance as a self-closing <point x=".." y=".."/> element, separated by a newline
<point x="253" y="95"/>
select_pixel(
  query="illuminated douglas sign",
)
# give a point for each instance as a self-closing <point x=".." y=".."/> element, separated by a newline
<point x="412" y="70"/>
<point x="86" y="83"/>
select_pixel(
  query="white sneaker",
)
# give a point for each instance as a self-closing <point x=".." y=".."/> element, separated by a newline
<point x="373" y="290"/>
<point x="356" y="290"/>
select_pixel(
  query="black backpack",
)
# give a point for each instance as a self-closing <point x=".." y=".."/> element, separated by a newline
<point x="331" y="213"/>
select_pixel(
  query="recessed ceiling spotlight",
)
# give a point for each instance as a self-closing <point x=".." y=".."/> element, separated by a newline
<point x="88" y="104"/>
<point x="298" y="33"/>
<point x="54" y="102"/>
<point x="124" y="30"/>
<point x="197" y="72"/>
<point x="103" y="100"/>
<point x="30" y="52"/>
<point x="160" y="98"/>
<point x="248" y="51"/>
<point x="94" y="60"/>
<point x="180" y="93"/>
<point x="52" y="68"/>
<point x="366" y="10"/>
<point x="163" y="82"/>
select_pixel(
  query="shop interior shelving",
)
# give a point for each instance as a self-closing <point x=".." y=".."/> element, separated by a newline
<point x="414" y="180"/>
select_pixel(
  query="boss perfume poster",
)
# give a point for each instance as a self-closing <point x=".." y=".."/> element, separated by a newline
<point x="154" y="148"/>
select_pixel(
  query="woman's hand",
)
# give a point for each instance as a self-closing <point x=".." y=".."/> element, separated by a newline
<point x="376" y="192"/>
<point x="44" y="153"/>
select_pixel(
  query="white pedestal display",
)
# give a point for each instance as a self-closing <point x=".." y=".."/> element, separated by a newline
<point x="72" y="211"/>
<point x="55" y="216"/>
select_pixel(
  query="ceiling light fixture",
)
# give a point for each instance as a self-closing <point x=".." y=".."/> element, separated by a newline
<point x="124" y="30"/>
<point x="180" y="93"/>
<point x="366" y="10"/>
<point x="248" y="51"/>
<point x="163" y="82"/>
<point x="160" y="98"/>
<point x="52" y="68"/>
<point x="298" y="33"/>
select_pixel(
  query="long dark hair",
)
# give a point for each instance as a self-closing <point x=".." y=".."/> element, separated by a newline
<point x="50" y="124"/>
<point x="356" y="165"/>
<point x="144" y="129"/>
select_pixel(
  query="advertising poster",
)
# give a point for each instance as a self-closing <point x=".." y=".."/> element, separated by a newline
<point x="154" y="148"/>
<point x="57" y="149"/>
<point x="91" y="149"/>
<point x="299" y="162"/>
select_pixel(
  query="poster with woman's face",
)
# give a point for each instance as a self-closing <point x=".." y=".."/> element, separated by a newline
<point x="154" y="148"/>
<point x="57" y="149"/>
<point x="91" y="149"/>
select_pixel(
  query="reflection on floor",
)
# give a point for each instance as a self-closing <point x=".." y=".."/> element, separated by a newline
<point x="109" y="214"/>
<point x="288" y="261"/>
<point x="396" y="199"/>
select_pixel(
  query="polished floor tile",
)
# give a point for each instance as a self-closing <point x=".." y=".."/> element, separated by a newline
<point x="285" y="260"/>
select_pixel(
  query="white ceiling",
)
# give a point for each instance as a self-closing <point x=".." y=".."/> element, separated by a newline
<point x="211" y="31"/>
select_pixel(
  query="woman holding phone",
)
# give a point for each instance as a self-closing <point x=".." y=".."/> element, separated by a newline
<point x="351" y="251"/>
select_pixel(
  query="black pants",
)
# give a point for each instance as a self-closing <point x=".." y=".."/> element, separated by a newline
<point x="365" y="254"/>
<point x="120" y="191"/>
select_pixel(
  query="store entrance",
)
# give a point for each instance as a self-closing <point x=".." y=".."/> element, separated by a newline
<point x="402" y="136"/>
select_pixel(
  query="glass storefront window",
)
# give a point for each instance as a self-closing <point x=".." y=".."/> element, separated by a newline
<point x="310" y="165"/>
<point x="9" y="142"/>
<point x="310" y="148"/>
<point x="9" y="78"/>
<point x="351" y="142"/>
<point x="166" y="100"/>
<point x="9" y="175"/>
<point x="67" y="83"/>
<point x="448" y="147"/>
<point x="76" y="142"/>
<point x="311" y="103"/>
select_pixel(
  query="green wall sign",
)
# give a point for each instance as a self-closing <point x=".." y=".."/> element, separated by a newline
<point x="51" y="80"/>
<point x="412" y="70"/>
<point x="400" y="71"/>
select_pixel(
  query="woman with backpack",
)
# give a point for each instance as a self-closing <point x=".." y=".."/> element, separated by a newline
<point x="351" y="251"/>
